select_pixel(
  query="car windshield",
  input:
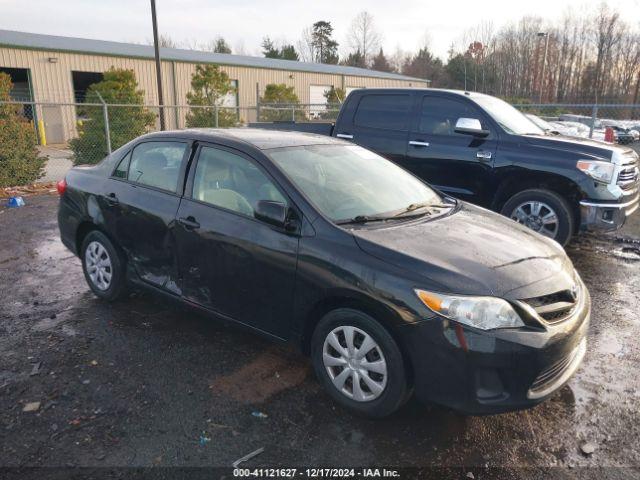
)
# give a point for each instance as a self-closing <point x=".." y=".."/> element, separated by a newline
<point x="509" y="118"/>
<point x="349" y="183"/>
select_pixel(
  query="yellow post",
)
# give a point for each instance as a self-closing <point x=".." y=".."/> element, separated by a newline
<point x="43" y="136"/>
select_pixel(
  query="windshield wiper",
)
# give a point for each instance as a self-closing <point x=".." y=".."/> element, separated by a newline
<point x="363" y="219"/>
<point x="419" y="206"/>
<point x="380" y="218"/>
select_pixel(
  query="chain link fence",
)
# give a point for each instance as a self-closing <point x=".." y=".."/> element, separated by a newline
<point x="75" y="133"/>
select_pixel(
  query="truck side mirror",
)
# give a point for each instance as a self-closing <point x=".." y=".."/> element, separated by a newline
<point x="470" y="126"/>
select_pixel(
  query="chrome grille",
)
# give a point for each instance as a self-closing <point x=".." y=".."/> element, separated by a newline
<point x="628" y="175"/>
<point x="554" y="307"/>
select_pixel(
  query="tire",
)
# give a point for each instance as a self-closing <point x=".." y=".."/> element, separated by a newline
<point x="107" y="278"/>
<point x="521" y="208"/>
<point x="391" y="387"/>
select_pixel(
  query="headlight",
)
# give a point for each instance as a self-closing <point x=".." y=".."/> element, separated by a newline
<point x="485" y="313"/>
<point x="600" y="171"/>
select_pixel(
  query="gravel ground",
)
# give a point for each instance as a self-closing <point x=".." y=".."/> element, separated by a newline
<point x="143" y="383"/>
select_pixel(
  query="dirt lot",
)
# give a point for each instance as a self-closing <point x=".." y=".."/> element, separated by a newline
<point x="143" y="383"/>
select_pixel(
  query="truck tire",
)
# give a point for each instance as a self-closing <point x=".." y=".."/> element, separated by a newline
<point x="543" y="211"/>
<point x="339" y="361"/>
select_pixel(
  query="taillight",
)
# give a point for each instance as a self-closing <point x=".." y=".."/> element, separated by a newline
<point x="61" y="186"/>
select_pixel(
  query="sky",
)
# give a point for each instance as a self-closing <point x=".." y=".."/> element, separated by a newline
<point x="404" y="24"/>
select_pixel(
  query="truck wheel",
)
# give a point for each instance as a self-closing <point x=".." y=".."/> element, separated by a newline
<point x="359" y="363"/>
<point x="544" y="211"/>
<point x="102" y="266"/>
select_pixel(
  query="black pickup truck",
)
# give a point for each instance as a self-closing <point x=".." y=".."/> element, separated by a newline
<point x="481" y="149"/>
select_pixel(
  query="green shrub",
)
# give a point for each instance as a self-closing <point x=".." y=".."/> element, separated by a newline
<point x="209" y="86"/>
<point x="125" y="122"/>
<point x="279" y="94"/>
<point x="20" y="161"/>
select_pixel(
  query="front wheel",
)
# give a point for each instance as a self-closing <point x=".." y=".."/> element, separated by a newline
<point x="359" y="363"/>
<point x="543" y="211"/>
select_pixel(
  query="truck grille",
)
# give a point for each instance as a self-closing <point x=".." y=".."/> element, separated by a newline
<point x="628" y="175"/>
<point x="555" y="307"/>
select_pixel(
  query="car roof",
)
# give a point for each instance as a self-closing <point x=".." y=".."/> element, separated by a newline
<point x="262" y="139"/>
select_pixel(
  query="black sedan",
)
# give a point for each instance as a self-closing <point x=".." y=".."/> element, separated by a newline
<point x="390" y="286"/>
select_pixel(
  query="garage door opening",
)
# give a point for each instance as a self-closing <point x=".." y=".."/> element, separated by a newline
<point x="21" y="90"/>
<point x="81" y="83"/>
<point x="318" y="100"/>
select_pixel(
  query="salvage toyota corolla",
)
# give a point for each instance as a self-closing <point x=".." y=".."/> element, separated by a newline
<point x="390" y="286"/>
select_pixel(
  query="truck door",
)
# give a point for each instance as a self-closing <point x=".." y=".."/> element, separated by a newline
<point x="379" y="122"/>
<point x="458" y="164"/>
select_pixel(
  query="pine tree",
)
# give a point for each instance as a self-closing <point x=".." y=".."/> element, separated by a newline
<point x="380" y="63"/>
<point x="326" y="49"/>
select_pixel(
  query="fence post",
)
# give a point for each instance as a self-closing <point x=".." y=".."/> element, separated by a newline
<point x="293" y="113"/>
<point x="257" y="102"/>
<point x="215" y="114"/>
<point x="105" y="114"/>
<point x="594" y="116"/>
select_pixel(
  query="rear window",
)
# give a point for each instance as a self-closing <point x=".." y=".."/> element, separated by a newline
<point x="389" y="112"/>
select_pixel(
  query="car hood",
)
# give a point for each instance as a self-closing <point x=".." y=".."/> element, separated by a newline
<point x="585" y="146"/>
<point x="472" y="251"/>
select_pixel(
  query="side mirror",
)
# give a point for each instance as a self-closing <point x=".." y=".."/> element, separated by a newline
<point x="470" y="126"/>
<point x="273" y="213"/>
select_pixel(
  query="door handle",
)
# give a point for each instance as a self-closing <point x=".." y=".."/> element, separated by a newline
<point x="112" y="198"/>
<point x="190" y="223"/>
<point x="417" y="143"/>
<point x="483" y="155"/>
<point x="345" y="135"/>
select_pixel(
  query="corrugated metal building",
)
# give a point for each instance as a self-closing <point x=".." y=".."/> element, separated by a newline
<point x="49" y="68"/>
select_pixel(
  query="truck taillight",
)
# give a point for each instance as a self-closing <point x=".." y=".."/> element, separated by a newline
<point x="61" y="186"/>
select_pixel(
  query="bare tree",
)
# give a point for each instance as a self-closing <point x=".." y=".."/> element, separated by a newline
<point x="165" y="41"/>
<point x="306" y="48"/>
<point x="364" y="36"/>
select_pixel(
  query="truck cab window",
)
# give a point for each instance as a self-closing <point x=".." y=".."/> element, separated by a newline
<point x="388" y="112"/>
<point x="439" y="115"/>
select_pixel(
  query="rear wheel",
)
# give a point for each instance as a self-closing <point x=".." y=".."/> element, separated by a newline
<point x="102" y="266"/>
<point x="543" y="211"/>
<point x="359" y="363"/>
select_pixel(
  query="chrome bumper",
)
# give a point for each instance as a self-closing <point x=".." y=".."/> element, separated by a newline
<point x="606" y="216"/>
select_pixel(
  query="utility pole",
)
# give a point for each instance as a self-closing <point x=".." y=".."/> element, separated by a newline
<point x="544" y="62"/>
<point x="156" y="47"/>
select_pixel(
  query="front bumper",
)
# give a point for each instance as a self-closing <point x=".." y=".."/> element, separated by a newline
<point x="605" y="216"/>
<point x="490" y="372"/>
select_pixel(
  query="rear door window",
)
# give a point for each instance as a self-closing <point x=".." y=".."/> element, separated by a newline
<point x="157" y="164"/>
<point x="389" y="112"/>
